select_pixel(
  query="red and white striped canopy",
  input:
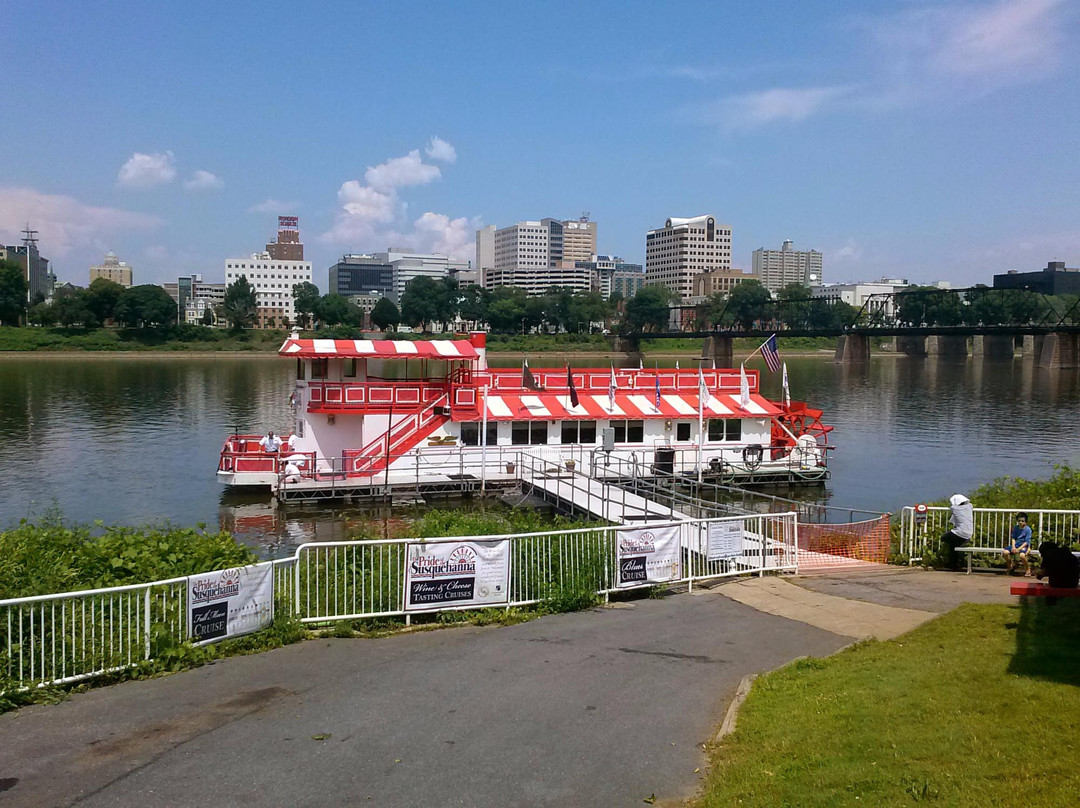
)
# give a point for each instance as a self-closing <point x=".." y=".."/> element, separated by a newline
<point x="595" y="406"/>
<point x="378" y="348"/>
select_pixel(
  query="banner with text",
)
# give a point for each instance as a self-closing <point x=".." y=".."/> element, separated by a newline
<point x="648" y="555"/>
<point x="468" y="573"/>
<point x="725" y="540"/>
<point x="228" y="603"/>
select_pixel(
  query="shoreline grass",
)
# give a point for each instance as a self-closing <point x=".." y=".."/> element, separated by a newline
<point x="980" y="707"/>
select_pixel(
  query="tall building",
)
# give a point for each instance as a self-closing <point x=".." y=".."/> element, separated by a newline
<point x="683" y="249"/>
<point x="388" y="273"/>
<point x="779" y="268"/>
<point x="112" y="269"/>
<point x="537" y="255"/>
<point x="273" y="281"/>
<point x="610" y="275"/>
<point x="35" y="268"/>
<point x="288" y="246"/>
<point x="1056" y="279"/>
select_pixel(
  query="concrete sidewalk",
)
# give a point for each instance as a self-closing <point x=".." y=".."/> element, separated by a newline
<point x="602" y="707"/>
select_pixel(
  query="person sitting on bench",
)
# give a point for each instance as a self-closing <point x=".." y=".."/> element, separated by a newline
<point x="1059" y="565"/>
<point x="1019" y="545"/>
<point x="962" y="519"/>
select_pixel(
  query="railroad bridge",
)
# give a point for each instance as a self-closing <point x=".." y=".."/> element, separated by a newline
<point x="980" y="321"/>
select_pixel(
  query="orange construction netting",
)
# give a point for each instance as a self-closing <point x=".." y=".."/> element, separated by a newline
<point x="861" y="541"/>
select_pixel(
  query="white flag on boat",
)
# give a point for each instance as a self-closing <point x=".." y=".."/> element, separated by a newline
<point x="611" y="390"/>
<point x="744" y="387"/>
<point x="787" y="391"/>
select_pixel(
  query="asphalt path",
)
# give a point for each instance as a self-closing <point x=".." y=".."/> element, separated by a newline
<point x="604" y="707"/>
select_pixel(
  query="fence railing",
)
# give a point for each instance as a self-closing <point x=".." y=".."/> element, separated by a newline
<point x="992" y="527"/>
<point x="68" y="637"/>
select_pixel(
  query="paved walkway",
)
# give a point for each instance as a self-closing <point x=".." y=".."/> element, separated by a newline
<point x="603" y="707"/>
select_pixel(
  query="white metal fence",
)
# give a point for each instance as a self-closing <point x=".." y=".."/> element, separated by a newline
<point x="992" y="527"/>
<point x="53" y="639"/>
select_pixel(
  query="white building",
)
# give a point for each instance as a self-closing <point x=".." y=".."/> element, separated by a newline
<point x="112" y="269"/>
<point x="537" y="255"/>
<point x="683" y="249"/>
<point x="875" y="295"/>
<point x="273" y="281"/>
<point x="779" y="268"/>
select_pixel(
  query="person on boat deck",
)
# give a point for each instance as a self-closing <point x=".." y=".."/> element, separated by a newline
<point x="1019" y="544"/>
<point x="270" y="443"/>
<point x="291" y="472"/>
<point x="962" y="519"/>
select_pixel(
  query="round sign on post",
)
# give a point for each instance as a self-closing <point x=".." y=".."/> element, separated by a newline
<point x="921" y="512"/>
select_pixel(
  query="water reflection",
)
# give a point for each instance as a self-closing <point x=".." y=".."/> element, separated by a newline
<point x="132" y="439"/>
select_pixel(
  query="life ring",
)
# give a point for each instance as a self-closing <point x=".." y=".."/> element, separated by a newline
<point x="752" y="455"/>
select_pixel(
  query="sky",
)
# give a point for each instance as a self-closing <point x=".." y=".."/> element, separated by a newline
<point x="923" y="140"/>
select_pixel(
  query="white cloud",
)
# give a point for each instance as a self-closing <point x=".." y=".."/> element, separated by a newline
<point x="755" y="109"/>
<point x="147" y="170"/>
<point x="851" y="252"/>
<point x="273" y="206"/>
<point x="64" y="223"/>
<point x="453" y="237"/>
<point x="399" y="172"/>
<point x="439" y="149"/>
<point x="204" y="181"/>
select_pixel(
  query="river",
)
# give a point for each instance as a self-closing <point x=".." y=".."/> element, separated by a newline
<point x="130" y="439"/>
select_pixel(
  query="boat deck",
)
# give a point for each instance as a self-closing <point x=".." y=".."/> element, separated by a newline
<point x="601" y="500"/>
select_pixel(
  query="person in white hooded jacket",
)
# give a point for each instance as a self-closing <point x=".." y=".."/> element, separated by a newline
<point x="962" y="519"/>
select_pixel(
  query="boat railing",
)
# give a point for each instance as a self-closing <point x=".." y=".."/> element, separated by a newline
<point x="372" y="395"/>
<point x="598" y="380"/>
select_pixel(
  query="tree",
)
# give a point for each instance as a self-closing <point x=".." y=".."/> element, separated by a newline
<point x="506" y="309"/>
<point x="647" y="310"/>
<point x="103" y="296"/>
<point x="145" y="306"/>
<point x="12" y="293"/>
<point x="73" y="309"/>
<point x="423" y="302"/>
<point x="208" y="316"/>
<point x="335" y="309"/>
<point x="473" y="304"/>
<point x="385" y="315"/>
<point x="747" y="302"/>
<point x="42" y="314"/>
<point x="306" y="301"/>
<point x="240" y="304"/>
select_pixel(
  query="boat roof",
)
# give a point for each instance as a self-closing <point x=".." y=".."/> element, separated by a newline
<point x="378" y="348"/>
<point x="591" y="406"/>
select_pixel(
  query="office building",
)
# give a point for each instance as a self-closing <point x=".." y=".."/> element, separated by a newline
<point x="1056" y="279"/>
<point x="485" y="248"/>
<point x="786" y="266"/>
<point x="610" y="275"/>
<point x="288" y="246"/>
<point x="39" y="280"/>
<point x="578" y="239"/>
<point x="388" y="273"/>
<point x="537" y="256"/>
<point x="683" y="249"/>
<point x="719" y="281"/>
<point x="112" y="269"/>
<point x="273" y="281"/>
<point x="875" y="296"/>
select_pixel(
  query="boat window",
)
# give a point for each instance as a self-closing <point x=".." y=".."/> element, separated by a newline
<point x="526" y="432"/>
<point x="578" y="432"/>
<point x="318" y="368"/>
<point x="682" y="431"/>
<point x="349" y="369"/>
<point x="734" y="429"/>
<point x="519" y="432"/>
<point x="629" y="431"/>
<point x="300" y="368"/>
<point x="716" y="429"/>
<point x="470" y="433"/>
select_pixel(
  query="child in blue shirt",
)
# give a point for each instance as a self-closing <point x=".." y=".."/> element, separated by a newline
<point x="1019" y="544"/>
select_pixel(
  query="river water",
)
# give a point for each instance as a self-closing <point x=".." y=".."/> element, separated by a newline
<point x="129" y="439"/>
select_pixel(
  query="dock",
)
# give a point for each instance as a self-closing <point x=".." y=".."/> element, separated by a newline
<point x="600" y="500"/>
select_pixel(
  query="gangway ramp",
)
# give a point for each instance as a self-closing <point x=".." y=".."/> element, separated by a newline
<point x="601" y="500"/>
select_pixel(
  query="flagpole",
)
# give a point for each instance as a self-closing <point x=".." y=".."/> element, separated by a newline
<point x="700" y="423"/>
<point x="483" y="444"/>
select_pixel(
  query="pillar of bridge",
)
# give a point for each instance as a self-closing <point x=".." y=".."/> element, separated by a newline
<point x="948" y="345"/>
<point x="993" y="347"/>
<point x="914" y="347"/>
<point x="720" y="349"/>
<point x="852" y="349"/>
<point x="1033" y="345"/>
<point x="1060" y="351"/>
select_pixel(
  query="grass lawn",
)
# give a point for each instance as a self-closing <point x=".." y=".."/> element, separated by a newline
<point x="980" y="707"/>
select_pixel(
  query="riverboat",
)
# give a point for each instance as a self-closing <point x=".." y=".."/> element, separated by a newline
<point x="397" y="413"/>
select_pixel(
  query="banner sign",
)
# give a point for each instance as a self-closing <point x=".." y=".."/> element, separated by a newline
<point x="647" y="555"/>
<point x="725" y="540"/>
<point x="228" y="603"/>
<point x="467" y="573"/>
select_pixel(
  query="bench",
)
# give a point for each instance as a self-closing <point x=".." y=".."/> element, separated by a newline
<point x="1033" y="554"/>
<point x="1040" y="590"/>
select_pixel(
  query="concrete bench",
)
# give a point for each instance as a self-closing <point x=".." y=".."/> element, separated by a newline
<point x="1033" y="554"/>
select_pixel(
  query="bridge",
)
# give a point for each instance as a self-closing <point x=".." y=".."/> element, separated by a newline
<point x="924" y="322"/>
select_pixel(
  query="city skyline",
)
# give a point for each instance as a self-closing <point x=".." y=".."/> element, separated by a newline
<point x="929" y="141"/>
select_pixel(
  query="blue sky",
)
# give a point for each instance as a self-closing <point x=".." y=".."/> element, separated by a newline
<point x="928" y="140"/>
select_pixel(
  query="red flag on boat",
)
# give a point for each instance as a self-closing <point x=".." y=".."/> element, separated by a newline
<point x="528" y="381"/>
<point x="570" y="384"/>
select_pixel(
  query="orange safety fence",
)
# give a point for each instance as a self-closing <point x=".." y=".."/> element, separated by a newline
<point x="822" y="545"/>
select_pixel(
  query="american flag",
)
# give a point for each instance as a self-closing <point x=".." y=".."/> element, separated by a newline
<point x="772" y="356"/>
<point x="658" y="390"/>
